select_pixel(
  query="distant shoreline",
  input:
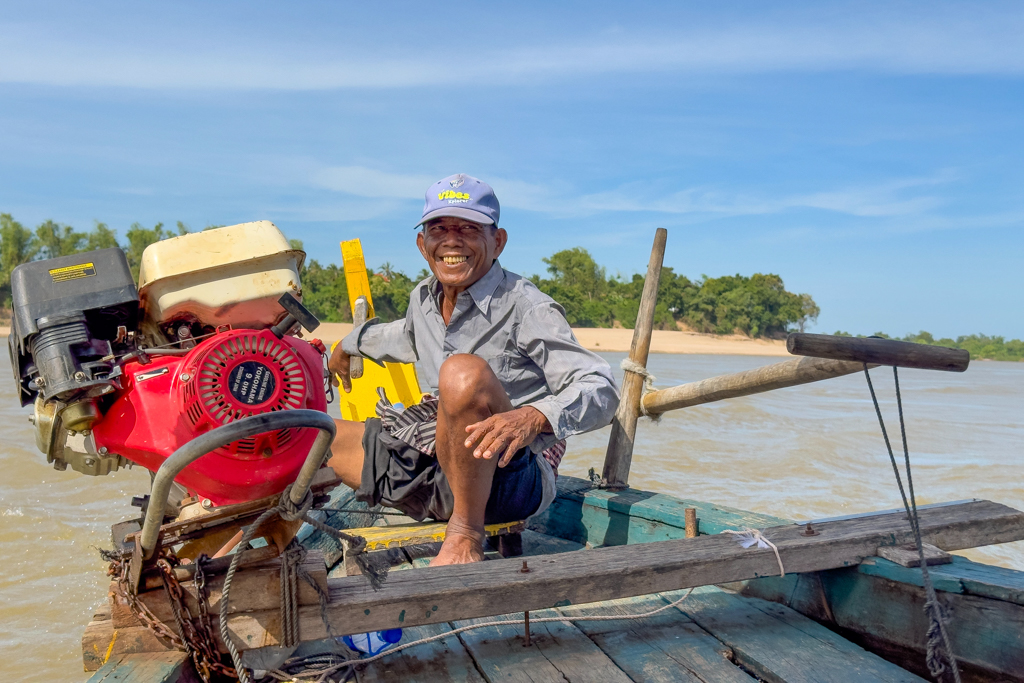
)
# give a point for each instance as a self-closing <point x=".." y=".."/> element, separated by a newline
<point x="619" y="340"/>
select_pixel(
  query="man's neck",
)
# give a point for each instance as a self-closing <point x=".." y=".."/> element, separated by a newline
<point x="449" y="295"/>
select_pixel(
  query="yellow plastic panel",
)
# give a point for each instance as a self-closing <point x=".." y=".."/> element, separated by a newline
<point x="398" y="379"/>
<point x="399" y="382"/>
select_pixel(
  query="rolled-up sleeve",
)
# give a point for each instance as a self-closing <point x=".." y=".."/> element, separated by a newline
<point x="583" y="394"/>
<point x="393" y="342"/>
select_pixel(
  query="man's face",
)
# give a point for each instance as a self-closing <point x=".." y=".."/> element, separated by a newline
<point x="460" y="252"/>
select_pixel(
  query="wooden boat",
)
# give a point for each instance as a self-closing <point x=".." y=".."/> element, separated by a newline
<point x="859" y="617"/>
<point x="618" y="584"/>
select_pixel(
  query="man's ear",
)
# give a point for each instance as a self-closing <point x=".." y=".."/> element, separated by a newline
<point x="500" y="240"/>
<point x="420" y="245"/>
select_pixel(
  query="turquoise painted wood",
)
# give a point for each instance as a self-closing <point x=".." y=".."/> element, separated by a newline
<point x="442" y="661"/>
<point x="987" y="633"/>
<point x="558" y="652"/>
<point x="877" y="566"/>
<point x="597" y="517"/>
<point x="780" y="645"/>
<point x="162" y="667"/>
<point x="664" y="648"/>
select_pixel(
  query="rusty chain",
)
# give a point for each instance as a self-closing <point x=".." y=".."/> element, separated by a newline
<point x="197" y="641"/>
<point x="119" y="569"/>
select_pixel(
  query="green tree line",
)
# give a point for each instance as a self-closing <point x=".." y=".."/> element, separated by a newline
<point x="758" y="305"/>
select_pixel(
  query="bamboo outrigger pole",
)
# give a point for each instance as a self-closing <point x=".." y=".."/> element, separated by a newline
<point x="824" y="357"/>
<point x="620" y="444"/>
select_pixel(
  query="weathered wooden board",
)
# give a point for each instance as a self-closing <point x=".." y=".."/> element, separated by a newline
<point x="779" y="645"/>
<point x="664" y="648"/>
<point x="442" y="661"/>
<point x="598" y="517"/>
<point x="887" y="608"/>
<point x="907" y="556"/>
<point x="153" y="667"/>
<point x="558" y="652"/>
<point x="101" y="642"/>
<point x="399" y="535"/>
<point x="436" y="594"/>
<point x="878" y="566"/>
<point x="253" y="588"/>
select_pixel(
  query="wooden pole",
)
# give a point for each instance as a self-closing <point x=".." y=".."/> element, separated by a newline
<point x="776" y="376"/>
<point x="880" y="351"/>
<point x="620" y="444"/>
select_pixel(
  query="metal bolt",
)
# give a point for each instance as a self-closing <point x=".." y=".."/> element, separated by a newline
<point x="184" y="332"/>
<point x="184" y="377"/>
<point x="89" y="462"/>
<point x="207" y="503"/>
<point x="809" y="530"/>
<point x="40" y="382"/>
<point x="525" y="569"/>
<point x="103" y="450"/>
<point x="79" y="376"/>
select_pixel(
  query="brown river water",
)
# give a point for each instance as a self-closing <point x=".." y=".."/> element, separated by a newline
<point x="799" y="453"/>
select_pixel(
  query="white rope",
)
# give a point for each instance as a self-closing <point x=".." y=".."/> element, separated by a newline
<point x="749" y="537"/>
<point x="503" y="622"/>
<point x="632" y="366"/>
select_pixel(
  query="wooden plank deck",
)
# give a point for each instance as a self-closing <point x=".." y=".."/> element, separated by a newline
<point x="718" y="638"/>
<point x="469" y="591"/>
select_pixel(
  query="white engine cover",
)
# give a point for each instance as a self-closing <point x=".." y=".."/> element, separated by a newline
<point x="225" y="276"/>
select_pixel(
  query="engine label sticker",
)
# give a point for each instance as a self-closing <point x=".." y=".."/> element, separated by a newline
<point x="251" y="383"/>
<point x="73" y="272"/>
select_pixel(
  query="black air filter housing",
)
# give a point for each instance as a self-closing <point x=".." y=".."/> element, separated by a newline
<point x="67" y="311"/>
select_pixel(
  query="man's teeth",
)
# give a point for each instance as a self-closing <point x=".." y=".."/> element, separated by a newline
<point x="454" y="260"/>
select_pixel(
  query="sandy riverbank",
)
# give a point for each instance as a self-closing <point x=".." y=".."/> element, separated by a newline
<point x="663" y="341"/>
<point x="605" y="339"/>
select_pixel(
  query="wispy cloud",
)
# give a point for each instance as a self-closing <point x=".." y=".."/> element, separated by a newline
<point x="897" y="197"/>
<point x="965" y="39"/>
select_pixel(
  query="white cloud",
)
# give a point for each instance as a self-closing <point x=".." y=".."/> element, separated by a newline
<point x="967" y="39"/>
<point x="899" y="197"/>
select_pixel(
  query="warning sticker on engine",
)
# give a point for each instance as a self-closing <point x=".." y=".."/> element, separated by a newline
<point x="73" y="272"/>
<point x="251" y="383"/>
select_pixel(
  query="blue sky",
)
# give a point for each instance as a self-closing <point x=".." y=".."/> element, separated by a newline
<point x="870" y="154"/>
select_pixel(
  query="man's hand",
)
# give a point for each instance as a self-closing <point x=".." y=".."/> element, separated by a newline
<point x="338" y="366"/>
<point x="505" y="433"/>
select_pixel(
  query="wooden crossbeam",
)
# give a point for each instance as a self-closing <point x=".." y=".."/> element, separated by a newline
<point x="437" y="594"/>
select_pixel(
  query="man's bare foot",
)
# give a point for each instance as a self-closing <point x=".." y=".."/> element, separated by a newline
<point x="460" y="547"/>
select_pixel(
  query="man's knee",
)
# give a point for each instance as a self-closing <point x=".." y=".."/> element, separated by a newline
<point x="465" y="380"/>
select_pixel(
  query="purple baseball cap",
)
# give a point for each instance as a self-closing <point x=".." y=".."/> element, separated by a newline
<point x="461" y="196"/>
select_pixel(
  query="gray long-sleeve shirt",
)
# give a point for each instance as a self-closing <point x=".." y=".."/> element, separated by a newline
<point x="521" y="333"/>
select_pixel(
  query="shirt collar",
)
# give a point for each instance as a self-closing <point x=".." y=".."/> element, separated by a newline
<point x="481" y="291"/>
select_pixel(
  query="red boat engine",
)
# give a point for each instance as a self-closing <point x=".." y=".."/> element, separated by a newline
<point x="171" y="400"/>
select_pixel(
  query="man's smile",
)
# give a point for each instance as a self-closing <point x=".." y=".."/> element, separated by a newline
<point x="454" y="260"/>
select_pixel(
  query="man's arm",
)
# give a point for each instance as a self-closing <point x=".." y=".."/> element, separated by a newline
<point x="392" y="342"/>
<point x="584" y="397"/>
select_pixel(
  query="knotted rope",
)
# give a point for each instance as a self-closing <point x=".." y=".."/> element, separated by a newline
<point x="632" y="366"/>
<point x="939" y="650"/>
<point x="291" y="571"/>
<point x="749" y="537"/>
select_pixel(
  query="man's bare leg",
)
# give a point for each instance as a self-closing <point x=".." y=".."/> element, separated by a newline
<point x="468" y="393"/>
<point x="347" y="452"/>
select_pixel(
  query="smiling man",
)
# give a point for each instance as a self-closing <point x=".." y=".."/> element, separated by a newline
<point x="508" y="381"/>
